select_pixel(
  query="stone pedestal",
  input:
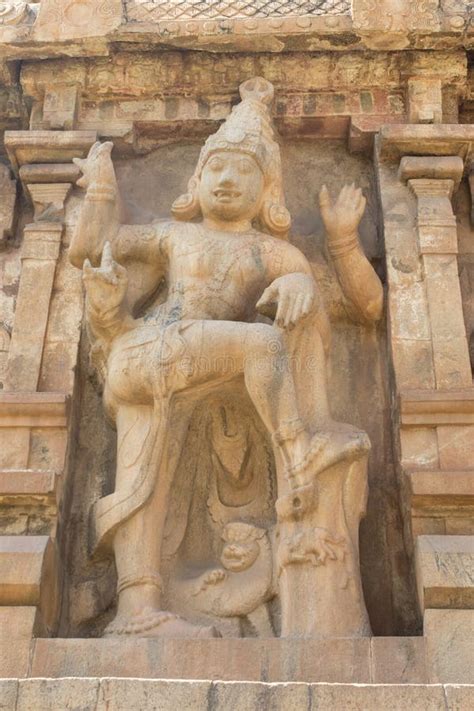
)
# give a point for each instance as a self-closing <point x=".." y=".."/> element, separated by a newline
<point x="318" y="554"/>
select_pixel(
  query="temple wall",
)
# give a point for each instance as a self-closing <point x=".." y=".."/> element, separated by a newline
<point x="376" y="94"/>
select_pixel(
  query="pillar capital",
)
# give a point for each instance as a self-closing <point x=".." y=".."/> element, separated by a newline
<point x="435" y="169"/>
<point x="422" y="140"/>
<point x="431" y="187"/>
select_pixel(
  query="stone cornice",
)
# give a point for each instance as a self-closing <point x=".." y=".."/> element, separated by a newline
<point x="85" y="27"/>
<point x="398" y="140"/>
<point x="146" y="97"/>
<point x="25" y="147"/>
<point x="27" y="487"/>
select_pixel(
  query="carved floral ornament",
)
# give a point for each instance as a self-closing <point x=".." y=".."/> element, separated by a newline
<point x="397" y="15"/>
<point x="78" y="13"/>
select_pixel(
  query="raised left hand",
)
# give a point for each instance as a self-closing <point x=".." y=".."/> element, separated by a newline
<point x="342" y="217"/>
<point x="294" y="295"/>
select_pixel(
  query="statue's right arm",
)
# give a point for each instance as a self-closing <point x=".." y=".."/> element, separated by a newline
<point x="138" y="247"/>
<point x="99" y="222"/>
<point x="99" y="216"/>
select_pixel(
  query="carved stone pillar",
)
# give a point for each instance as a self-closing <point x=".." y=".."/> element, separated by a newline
<point x="7" y="205"/>
<point x="43" y="160"/>
<point x="419" y="167"/>
<point x="433" y="180"/>
<point x="33" y="415"/>
<point x="39" y="256"/>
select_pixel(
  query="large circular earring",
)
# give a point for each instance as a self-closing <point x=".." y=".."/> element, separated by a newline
<point x="186" y="207"/>
<point x="276" y="218"/>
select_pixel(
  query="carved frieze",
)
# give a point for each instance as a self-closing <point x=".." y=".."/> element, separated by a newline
<point x="393" y="23"/>
<point x="146" y="98"/>
<point x="458" y="15"/>
<point x="71" y="19"/>
<point x="140" y="76"/>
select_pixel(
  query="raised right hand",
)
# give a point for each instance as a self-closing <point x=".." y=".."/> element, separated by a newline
<point x="97" y="169"/>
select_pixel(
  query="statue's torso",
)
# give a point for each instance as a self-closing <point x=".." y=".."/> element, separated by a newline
<point x="210" y="276"/>
<point x="217" y="276"/>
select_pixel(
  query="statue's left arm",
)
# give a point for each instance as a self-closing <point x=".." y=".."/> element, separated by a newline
<point x="359" y="282"/>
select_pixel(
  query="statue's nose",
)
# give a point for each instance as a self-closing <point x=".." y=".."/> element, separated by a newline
<point x="227" y="178"/>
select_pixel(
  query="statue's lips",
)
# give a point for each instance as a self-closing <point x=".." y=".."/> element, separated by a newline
<point x="226" y="195"/>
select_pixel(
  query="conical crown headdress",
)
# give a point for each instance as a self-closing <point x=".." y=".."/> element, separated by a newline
<point x="247" y="129"/>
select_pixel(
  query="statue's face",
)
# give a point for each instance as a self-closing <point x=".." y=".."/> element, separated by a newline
<point x="239" y="556"/>
<point x="231" y="187"/>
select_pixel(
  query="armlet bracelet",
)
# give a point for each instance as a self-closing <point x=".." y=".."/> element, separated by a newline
<point x="343" y="246"/>
<point x="101" y="193"/>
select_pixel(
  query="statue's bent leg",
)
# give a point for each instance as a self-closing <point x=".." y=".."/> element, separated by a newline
<point x="260" y="352"/>
<point x="220" y="349"/>
<point x="137" y="541"/>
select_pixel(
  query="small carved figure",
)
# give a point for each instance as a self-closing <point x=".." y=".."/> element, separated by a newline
<point x="244" y="582"/>
<point x="240" y="302"/>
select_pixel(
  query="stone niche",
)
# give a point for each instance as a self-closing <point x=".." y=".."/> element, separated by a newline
<point x="226" y="471"/>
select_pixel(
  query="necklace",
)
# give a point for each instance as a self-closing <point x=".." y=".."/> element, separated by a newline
<point x="228" y="260"/>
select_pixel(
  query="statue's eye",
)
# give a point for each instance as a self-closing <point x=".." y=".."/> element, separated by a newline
<point x="245" y="167"/>
<point x="215" y="164"/>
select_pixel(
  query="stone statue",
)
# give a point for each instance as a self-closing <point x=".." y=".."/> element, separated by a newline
<point x="231" y="299"/>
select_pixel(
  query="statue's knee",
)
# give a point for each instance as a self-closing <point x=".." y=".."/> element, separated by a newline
<point x="267" y="341"/>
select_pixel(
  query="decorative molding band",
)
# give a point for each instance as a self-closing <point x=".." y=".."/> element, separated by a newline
<point x="25" y="562"/>
<point x="420" y="408"/>
<point x="20" y="409"/>
<point x="445" y="571"/>
<point x="440" y="492"/>
<point x="22" y="487"/>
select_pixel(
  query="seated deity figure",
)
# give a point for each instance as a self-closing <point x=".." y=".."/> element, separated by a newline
<point x="180" y="306"/>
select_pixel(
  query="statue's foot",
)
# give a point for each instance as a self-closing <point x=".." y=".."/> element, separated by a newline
<point x="157" y="623"/>
<point x="327" y="449"/>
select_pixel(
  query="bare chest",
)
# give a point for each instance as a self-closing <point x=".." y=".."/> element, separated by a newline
<point x="219" y="263"/>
